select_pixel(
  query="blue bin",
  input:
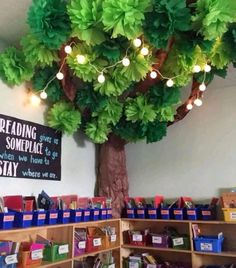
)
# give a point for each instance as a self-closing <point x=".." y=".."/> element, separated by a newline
<point x="103" y="214"/>
<point x="23" y="219"/>
<point x="109" y="213"/>
<point x="39" y="218"/>
<point x="207" y="214"/>
<point x="177" y="213"/>
<point x="208" y="244"/>
<point x="193" y="214"/>
<point x="152" y="213"/>
<point x="63" y="216"/>
<point x="95" y="214"/>
<point x="51" y="217"/>
<point x="130" y="212"/>
<point x="141" y="213"/>
<point x="86" y="215"/>
<point x="7" y="220"/>
<point x="76" y="215"/>
<point x="165" y="213"/>
<point x="8" y="259"/>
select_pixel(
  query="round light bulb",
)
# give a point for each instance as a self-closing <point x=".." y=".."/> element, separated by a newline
<point x="126" y="62"/>
<point x="68" y="49"/>
<point x="198" y="102"/>
<point x="101" y="78"/>
<point x="170" y="83"/>
<point x="35" y="100"/>
<point x="81" y="59"/>
<point x="60" y="75"/>
<point x="144" y="51"/>
<point x="137" y="42"/>
<point x="189" y="106"/>
<point x="43" y="95"/>
<point x="202" y="87"/>
<point x="197" y="69"/>
<point x="207" y="68"/>
<point x="153" y="74"/>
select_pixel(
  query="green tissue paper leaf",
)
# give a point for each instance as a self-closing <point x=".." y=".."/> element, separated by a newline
<point x="49" y="21"/>
<point x="64" y="117"/>
<point x="156" y="131"/>
<point x="97" y="131"/>
<point x="14" y="69"/>
<point x="166" y="114"/>
<point x="124" y="17"/>
<point x="86" y="19"/>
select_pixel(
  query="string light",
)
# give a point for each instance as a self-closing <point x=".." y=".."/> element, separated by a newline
<point x="60" y="75"/>
<point x="137" y="42"/>
<point x="153" y="74"/>
<point x="35" y="100"/>
<point x="170" y="83"/>
<point x="43" y="95"/>
<point x="68" y="49"/>
<point x="202" y="87"/>
<point x="207" y="68"/>
<point x="197" y="69"/>
<point x="144" y="51"/>
<point x="101" y="78"/>
<point x="189" y="106"/>
<point x="126" y="62"/>
<point x="81" y="59"/>
<point x="198" y="102"/>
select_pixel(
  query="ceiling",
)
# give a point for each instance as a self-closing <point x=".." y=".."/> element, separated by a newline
<point x="13" y="16"/>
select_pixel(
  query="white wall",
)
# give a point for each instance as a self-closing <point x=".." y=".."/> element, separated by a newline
<point x="198" y="156"/>
<point x="78" y="158"/>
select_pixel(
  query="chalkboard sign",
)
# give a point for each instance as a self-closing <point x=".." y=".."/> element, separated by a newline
<point x="29" y="150"/>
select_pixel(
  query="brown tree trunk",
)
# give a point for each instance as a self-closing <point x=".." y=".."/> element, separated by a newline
<point x="112" y="177"/>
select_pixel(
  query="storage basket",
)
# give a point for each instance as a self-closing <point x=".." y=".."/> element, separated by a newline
<point x="56" y="252"/>
<point x="208" y="243"/>
<point x="229" y="214"/>
<point x="160" y="240"/>
<point x="180" y="242"/>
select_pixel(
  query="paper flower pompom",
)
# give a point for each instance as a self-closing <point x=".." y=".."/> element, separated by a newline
<point x="36" y="52"/>
<point x="156" y="131"/>
<point x="167" y="18"/>
<point x="14" y="70"/>
<point x="124" y="17"/>
<point x="212" y="17"/>
<point x="42" y="77"/>
<point x="97" y="131"/>
<point x="64" y="117"/>
<point x="139" y="109"/>
<point x="49" y="21"/>
<point x="85" y="18"/>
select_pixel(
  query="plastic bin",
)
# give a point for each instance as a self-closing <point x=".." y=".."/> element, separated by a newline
<point x="79" y="247"/>
<point x="103" y="214"/>
<point x="193" y="214"/>
<point x="8" y="261"/>
<point x="109" y="213"/>
<point x="141" y="213"/>
<point x="137" y="239"/>
<point x="51" y="217"/>
<point x="152" y="213"/>
<point x="207" y="214"/>
<point x="30" y="258"/>
<point x="130" y="212"/>
<point x="86" y="215"/>
<point x="208" y="244"/>
<point x="56" y="252"/>
<point x="165" y="213"/>
<point x="180" y="242"/>
<point x="229" y="214"/>
<point x="95" y="239"/>
<point x="95" y="214"/>
<point x="177" y="213"/>
<point x="76" y="215"/>
<point x="63" y="216"/>
<point x="7" y="220"/>
<point x="23" y="219"/>
<point x="160" y="240"/>
<point x="39" y="218"/>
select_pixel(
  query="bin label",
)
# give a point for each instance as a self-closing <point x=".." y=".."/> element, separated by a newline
<point x="156" y="239"/>
<point x="78" y="214"/>
<point x="113" y="238"/>
<point x="53" y="215"/>
<point x="82" y="245"/>
<point x="66" y="215"/>
<point x="130" y="211"/>
<point x="8" y="218"/>
<point x="27" y="217"/>
<point x="233" y="215"/>
<point x="87" y="213"/>
<point x="178" y="241"/>
<point x="191" y="212"/>
<point x="140" y="211"/>
<point x="206" y="213"/>
<point x="109" y="211"/>
<point x="133" y="264"/>
<point x="96" y="212"/>
<point x="41" y="216"/>
<point x="11" y="259"/>
<point x="178" y="212"/>
<point x="111" y="265"/>
<point x="206" y="246"/>
<point x="151" y="266"/>
<point x="164" y="212"/>
<point x="97" y="242"/>
<point x="63" y="249"/>
<point x="137" y="237"/>
<point x="37" y="254"/>
<point x="152" y="212"/>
